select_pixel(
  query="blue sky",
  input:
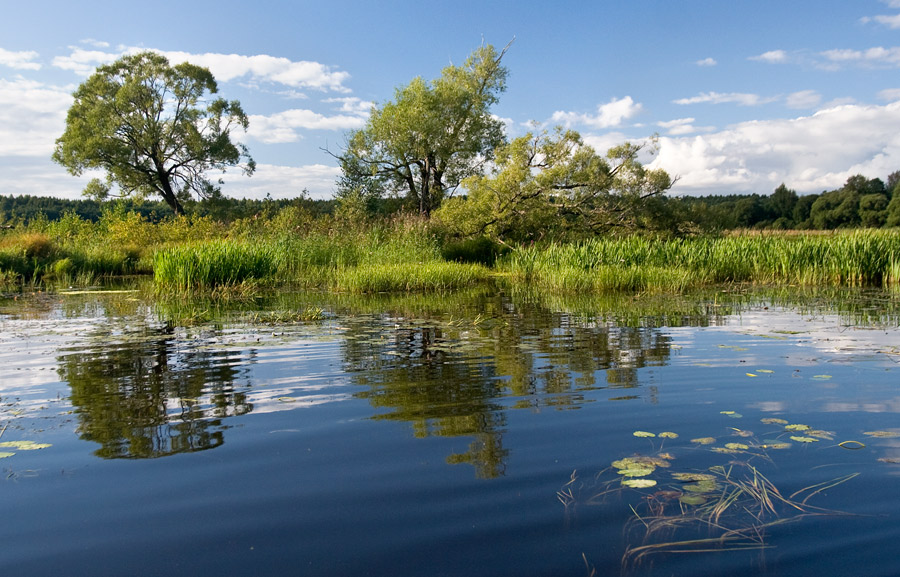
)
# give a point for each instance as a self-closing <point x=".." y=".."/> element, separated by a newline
<point x="744" y="94"/>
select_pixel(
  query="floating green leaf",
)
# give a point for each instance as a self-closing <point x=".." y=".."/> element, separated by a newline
<point x="643" y="434"/>
<point x="736" y="446"/>
<point x="751" y="375"/>
<point x="24" y="445"/>
<point x="882" y="434"/>
<point x="5" y="455"/>
<point x="770" y="444"/>
<point x="731" y="414"/>
<point x="827" y="435"/>
<point x="692" y="499"/>
<point x="804" y="439"/>
<point x="742" y="433"/>
<point x="773" y="421"/>
<point x="701" y="487"/>
<point x="822" y="377"/>
<point x="636" y="471"/>
<point x="796" y="427"/>
<point x="764" y="371"/>
<point x="704" y="440"/>
<point x="693" y="477"/>
<point x="639" y="483"/>
<point x="669" y="435"/>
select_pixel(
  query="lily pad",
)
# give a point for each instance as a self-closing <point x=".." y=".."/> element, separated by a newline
<point x="796" y="427"/>
<point x="639" y="483"/>
<point x="643" y="434"/>
<point x="736" y="446"/>
<point x="774" y="444"/>
<point x="751" y="375"/>
<point x="827" y="435"/>
<point x="24" y="445"/>
<point x="668" y="435"/>
<point x="804" y="439"/>
<point x="636" y="472"/>
<point x="701" y="487"/>
<point x="731" y="414"/>
<point x="694" y="477"/>
<point x="822" y="377"/>
<point x="704" y="440"/>
<point x="5" y="455"/>
<point x="773" y="421"/>
<point x="692" y="499"/>
<point x="882" y="434"/>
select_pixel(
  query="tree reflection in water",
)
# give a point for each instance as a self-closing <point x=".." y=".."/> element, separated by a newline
<point x="453" y="379"/>
<point x="153" y="393"/>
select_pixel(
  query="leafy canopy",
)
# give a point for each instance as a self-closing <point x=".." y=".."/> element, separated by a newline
<point x="150" y="127"/>
<point x="431" y="136"/>
<point x="554" y="180"/>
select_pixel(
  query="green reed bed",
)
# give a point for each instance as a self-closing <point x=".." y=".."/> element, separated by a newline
<point x="213" y="263"/>
<point x="418" y="277"/>
<point x="858" y="258"/>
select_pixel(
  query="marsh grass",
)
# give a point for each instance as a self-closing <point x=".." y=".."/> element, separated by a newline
<point x="212" y="264"/>
<point x="856" y="258"/>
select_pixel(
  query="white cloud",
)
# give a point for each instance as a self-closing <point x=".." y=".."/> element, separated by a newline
<point x="19" y="60"/>
<point x="611" y="114"/>
<point x="707" y="62"/>
<point x="284" y="126"/>
<point x="772" y="56"/>
<point x="282" y="181"/>
<point x="353" y="105"/>
<point x="742" y="99"/>
<point x="603" y="142"/>
<point x="95" y="43"/>
<point x="681" y="126"/>
<point x="871" y="56"/>
<point x="225" y="67"/>
<point x="32" y="117"/>
<point x="83" y="62"/>
<point x="809" y="154"/>
<point x="265" y="68"/>
<point x="803" y="99"/>
<point x="889" y="94"/>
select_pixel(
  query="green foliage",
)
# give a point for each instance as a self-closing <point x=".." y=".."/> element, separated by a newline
<point x="149" y="126"/>
<point x="554" y="183"/>
<point x="430" y="137"/>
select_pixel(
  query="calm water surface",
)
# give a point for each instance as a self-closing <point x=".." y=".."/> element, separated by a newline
<point x="464" y="435"/>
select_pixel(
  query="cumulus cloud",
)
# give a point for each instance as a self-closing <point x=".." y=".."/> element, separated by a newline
<point x="740" y="98"/>
<point x="609" y="115"/>
<point x="282" y="181"/>
<point x="352" y="105"/>
<point x="285" y="126"/>
<point x="225" y="67"/>
<point x="707" y="62"/>
<point x="681" y="126"/>
<point x="872" y="56"/>
<point x="772" y="56"/>
<point x="32" y="117"/>
<point x="23" y="60"/>
<point x="809" y="153"/>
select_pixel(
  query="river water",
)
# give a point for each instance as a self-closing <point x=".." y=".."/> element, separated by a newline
<point x="476" y="434"/>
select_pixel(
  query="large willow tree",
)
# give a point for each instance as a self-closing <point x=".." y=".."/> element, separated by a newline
<point x="152" y="128"/>
<point x="431" y="136"/>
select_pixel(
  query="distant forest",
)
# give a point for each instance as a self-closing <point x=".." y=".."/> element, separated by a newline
<point x="861" y="202"/>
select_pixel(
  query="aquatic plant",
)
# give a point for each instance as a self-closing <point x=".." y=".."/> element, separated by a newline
<point x="726" y="507"/>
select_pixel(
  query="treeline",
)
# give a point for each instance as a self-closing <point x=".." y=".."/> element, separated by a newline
<point x="861" y="202"/>
<point x="26" y="209"/>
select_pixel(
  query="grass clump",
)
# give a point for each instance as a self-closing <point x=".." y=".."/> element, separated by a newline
<point x="211" y="264"/>
<point x="410" y="277"/>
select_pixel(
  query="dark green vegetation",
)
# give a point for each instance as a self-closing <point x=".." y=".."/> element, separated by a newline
<point x="295" y="246"/>
<point x="153" y="129"/>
